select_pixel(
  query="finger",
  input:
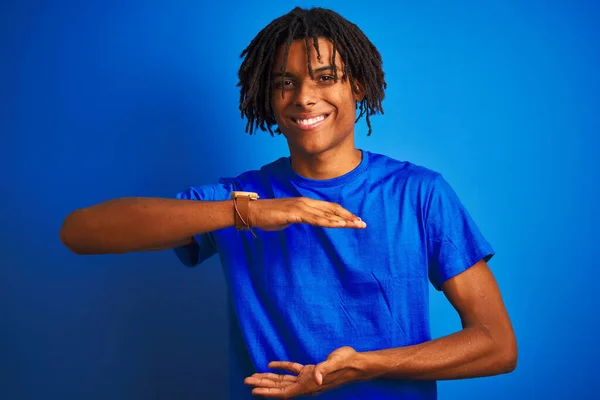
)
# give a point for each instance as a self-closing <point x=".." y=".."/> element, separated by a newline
<point x="347" y="223"/>
<point x="320" y="372"/>
<point x="322" y="213"/>
<point x="329" y="367"/>
<point x="335" y="209"/>
<point x="287" y="365"/>
<point x="313" y="219"/>
<point x="279" y="393"/>
<point x="319" y="378"/>
<point x="267" y="382"/>
<point x="307" y="212"/>
<point x="360" y="224"/>
<point x="336" y="378"/>
<point x="271" y="393"/>
<point x="273" y="377"/>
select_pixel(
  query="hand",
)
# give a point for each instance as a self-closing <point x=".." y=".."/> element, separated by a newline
<point x="340" y="367"/>
<point x="277" y="214"/>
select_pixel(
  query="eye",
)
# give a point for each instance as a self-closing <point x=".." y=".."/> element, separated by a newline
<point x="285" y="83"/>
<point x="326" y="79"/>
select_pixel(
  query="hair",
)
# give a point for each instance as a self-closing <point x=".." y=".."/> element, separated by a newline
<point x="361" y="62"/>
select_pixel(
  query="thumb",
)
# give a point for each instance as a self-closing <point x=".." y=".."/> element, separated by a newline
<point x="324" y="368"/>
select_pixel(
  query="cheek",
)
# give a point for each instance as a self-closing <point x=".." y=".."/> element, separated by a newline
<point x="277" y="104"/>
<point x="344" y="102"/>
<point x="346" y="109"/>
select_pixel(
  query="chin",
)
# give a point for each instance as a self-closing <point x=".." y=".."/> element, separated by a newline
<point x="313" y="142"/>
<point x="310" y="148"/>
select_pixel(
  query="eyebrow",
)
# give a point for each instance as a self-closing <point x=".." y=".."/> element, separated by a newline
<point x="290" y="75"/>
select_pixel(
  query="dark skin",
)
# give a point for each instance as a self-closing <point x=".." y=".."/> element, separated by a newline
<point x="126" y="225"/>
<point x="485" y="346"/>
<point x="142" y="224"/>
<point x="327" y="151"/>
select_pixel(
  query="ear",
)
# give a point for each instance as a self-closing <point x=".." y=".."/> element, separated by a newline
<point x="359" y="91"/>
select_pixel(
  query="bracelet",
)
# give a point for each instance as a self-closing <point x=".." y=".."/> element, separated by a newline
<point x="245" y="223"/>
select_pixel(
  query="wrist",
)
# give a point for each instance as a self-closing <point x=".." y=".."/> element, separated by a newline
<point x="251" y="211"/>
<point x="241" y="205"/>
<point x="369" y="365"/>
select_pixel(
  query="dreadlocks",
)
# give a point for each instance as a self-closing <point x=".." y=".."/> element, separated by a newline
<point x="361" y="61"/>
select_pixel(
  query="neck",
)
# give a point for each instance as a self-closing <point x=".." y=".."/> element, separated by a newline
<point x="326" y="165"/>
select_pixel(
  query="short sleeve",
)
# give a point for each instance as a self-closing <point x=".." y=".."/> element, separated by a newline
<point x="205" y="246"/>
<point x="454" y="241"/>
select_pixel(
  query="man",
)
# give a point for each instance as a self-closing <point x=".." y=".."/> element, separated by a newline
<point x="328" y="253"/>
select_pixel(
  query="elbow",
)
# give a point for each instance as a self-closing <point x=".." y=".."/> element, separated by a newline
<point x="65" y="234"/>
<point x="69" y="235"/>
<point x="507" y="355"/>
<point x="510" y="359"/>
<point x="502" y="352"/>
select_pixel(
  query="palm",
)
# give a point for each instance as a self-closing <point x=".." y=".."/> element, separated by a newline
<point x="285" y="386"/>
<point x="303" y="381"/>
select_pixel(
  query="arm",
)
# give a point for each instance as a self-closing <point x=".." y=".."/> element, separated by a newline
<point x="140" y="224"/>
<point x="485" y="346"/>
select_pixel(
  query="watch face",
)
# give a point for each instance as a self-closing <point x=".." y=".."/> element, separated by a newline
<point x="252" y="195"/>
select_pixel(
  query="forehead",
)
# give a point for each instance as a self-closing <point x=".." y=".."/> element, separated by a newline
<point x="297" y="55"/>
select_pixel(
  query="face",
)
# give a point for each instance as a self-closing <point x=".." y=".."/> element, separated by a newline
<point x="315" y="115"/>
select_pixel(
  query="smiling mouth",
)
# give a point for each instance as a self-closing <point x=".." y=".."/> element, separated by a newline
<point x="310" y="123"/>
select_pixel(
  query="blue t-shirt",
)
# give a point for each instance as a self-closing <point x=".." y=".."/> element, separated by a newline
<point x="300" y="293"/>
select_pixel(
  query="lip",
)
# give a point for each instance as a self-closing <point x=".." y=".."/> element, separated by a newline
<point x="308" y="116"/>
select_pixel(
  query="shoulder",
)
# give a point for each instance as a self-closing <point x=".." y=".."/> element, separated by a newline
<point x="250" y="181"/>
<point x="269" y="170"/>
<point x="256" y="178"/>
<point x="259" y="180"/>
<point x="384" y="168"/>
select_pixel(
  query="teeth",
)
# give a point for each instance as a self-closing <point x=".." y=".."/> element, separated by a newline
<point x="310" y="121"/>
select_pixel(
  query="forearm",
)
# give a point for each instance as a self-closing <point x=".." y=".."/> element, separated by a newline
<point x="137" y="224"/>
<point x="471" y="352"/>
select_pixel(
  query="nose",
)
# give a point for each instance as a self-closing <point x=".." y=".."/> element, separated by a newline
<point x="305" y="95"/>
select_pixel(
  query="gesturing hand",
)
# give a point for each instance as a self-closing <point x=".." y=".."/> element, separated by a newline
<point x="277" y="214"/>
<point x="339" y="368"/>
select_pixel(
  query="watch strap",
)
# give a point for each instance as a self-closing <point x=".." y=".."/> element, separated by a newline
<point x="240" y="203"/>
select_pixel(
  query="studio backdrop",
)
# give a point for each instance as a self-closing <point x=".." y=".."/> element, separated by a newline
<point x="105" y="99"/>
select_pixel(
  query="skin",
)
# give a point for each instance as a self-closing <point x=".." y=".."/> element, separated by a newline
<point x="485" y="346"/>
<point x="329" y="150"/>
<point x="142" y="224"/>
<point x="133" y="224"/>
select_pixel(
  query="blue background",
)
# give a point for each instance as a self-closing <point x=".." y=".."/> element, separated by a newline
<point x="134" y="98"/>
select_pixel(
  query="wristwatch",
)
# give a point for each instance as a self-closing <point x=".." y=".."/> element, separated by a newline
<point x="240" y="205"/>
